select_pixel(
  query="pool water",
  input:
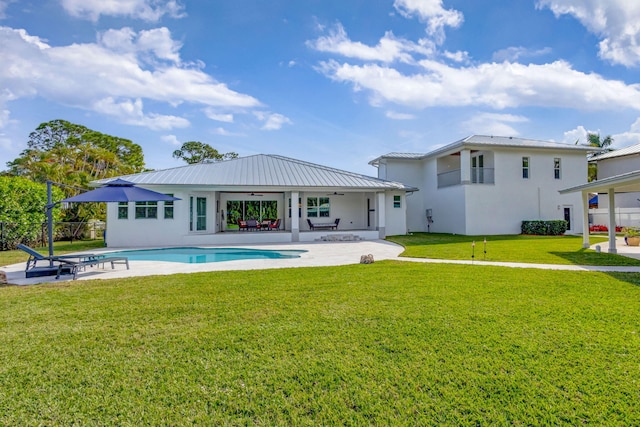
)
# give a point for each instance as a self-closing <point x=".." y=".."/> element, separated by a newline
<point x="203" y="255"/>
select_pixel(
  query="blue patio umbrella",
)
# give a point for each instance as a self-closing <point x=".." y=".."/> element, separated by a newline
<point x="117" y="190"/>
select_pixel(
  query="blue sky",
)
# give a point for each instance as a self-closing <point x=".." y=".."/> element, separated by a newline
<point x="335" y="82"/>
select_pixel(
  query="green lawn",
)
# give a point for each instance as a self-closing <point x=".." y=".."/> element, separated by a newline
<point x="16" y="256"/>
<point x="514" y="248"/>
<point x="391" y="343"/>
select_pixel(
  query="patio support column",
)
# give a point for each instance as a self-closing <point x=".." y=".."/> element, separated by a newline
<point x="612" y="221"/>
<point x="465" y="167"/>
<point x="585" y="219"/>
<point x="382" y="233"/>
<point x="295" y="219"/>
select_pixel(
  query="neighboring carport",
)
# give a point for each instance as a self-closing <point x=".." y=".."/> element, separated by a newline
<point x="625" y="183"/>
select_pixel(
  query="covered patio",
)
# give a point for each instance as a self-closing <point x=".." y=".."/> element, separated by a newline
<point x="623" y="183"/>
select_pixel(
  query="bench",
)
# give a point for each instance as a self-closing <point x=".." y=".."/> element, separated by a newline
<point x="323" y="225"/>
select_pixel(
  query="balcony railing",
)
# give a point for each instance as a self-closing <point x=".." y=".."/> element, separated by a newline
<point x="447" y="179"/>
<point x="478" y="176"/>
<point x="482" y="176"/>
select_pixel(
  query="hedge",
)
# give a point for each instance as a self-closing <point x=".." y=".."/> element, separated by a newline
<point x="545" y="228"/>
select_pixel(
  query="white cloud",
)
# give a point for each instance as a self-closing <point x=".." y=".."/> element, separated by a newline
<point x="494" y="124"/>
<point x="630" y="137"/>
<point x="512" y="54"/>
<point x="223" y="132"/>
<point x="147" y="10"/>
<point x="112" y="75"/>
<point x="147" y="44"/>
<point x="614" y="21"/>
<point x="272" y="121"/>
<point x="495" y="85"/>
<point x="217" y="116"/>
<point x="458" y="56"/>
<point x="579" y="135"/>
<point x="431" y="12"/>
<point x="389" y="49"/>
<point x="171" y="139"/>
<point x="131" y="112"/>
<point x="399" y="116"/>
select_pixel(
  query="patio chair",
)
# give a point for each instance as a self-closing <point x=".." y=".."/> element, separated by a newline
<point x="274" y="225"/>
<point x="242" y="224"/>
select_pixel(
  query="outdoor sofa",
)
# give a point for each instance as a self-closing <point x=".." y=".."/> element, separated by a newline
<point x="323" y="225"/>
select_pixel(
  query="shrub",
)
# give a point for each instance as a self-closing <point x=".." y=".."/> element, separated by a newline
<point x="544" y="228"/>
<point x="22" y="209"/>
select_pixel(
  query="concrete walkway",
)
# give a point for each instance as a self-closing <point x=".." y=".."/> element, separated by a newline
<point x="318" y="254"/>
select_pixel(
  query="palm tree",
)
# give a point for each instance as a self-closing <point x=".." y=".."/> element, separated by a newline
<point x="594" y="140"/>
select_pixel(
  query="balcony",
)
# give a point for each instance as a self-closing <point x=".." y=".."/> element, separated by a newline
<point x="478" y="176"/>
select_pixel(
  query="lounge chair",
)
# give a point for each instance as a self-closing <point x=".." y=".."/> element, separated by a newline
<point x="73" y="267"/>
<point x="65" y="264"/>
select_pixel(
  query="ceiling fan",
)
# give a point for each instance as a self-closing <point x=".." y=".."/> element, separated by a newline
<point x="256" y="195"/>
<point x="335" y="193"/>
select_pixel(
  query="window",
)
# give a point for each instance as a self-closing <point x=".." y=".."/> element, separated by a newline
<point x="201" y="213"/>
<point x="299" y="207"/>
<point x="168" y="209"/>
<point x="318" y="207"/>
<point x="190" y="213"/>
<point x="396" y="201"/>
<point x="123" y="210"/>
<point x="525" y="167"/>
<point x="556" y="168"/>
<point x="146" y="210"/>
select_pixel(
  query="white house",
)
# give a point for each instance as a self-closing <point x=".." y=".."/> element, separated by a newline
<point x="215" y="197"/>
<point x="488" y="185"/>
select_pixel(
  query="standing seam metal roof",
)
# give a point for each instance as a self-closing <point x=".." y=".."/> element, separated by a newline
<point x="485" y="140"/>
<point x="261" y="170"/>
<point x="627" y="151"/>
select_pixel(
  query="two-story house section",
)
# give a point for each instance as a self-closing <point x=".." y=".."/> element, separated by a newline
<point x="484" y="185"/>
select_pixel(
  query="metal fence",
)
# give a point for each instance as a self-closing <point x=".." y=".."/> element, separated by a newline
<point x="35" y="234"/>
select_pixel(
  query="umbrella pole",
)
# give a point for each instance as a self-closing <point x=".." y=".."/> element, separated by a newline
<point x="50" y="222"/>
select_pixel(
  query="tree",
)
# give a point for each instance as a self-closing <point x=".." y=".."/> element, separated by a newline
<point x="594" y="140"/>
<point x="22" y="209"/>
<point x="74" y="155"/>
<point x="198" y="152"/>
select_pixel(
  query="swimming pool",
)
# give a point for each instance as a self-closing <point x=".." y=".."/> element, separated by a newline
<point x="204" y="255"/>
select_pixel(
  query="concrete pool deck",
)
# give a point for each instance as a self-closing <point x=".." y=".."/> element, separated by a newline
<point x="318" y="254"/>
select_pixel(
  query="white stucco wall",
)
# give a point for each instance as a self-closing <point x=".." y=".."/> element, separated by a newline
<point x="411" y="173"/>
<point x="132" y="232"/>
<point x="618" y="165"/>
<point x="395" y="217"/>
<point x="350" y="207"/>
